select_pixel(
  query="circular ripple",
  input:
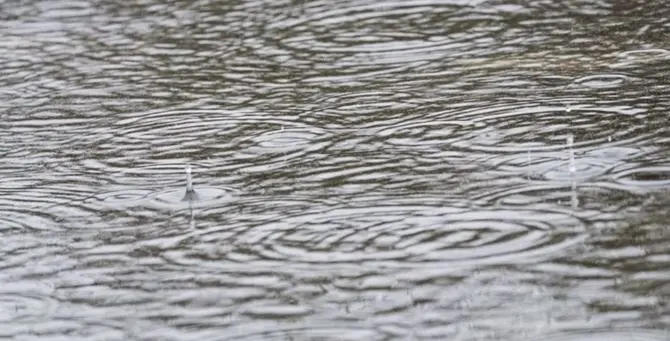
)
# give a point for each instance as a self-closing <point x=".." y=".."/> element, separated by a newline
<point x="602" y="200"/>
<point x="404" y="230"/>
<point x="277" y="311"/>
<point x="43" y="207"/>
<point x="282" y="142"/>
<point x="18" y="307"/>
<point x="609" y="335"/>
<point x="513" y="128"/>
<point x="634" y="59"/>
<point x="335" y="30"/>
<point x="583" y="168"/>
<point x="14" y="218"/>
<point x="333" y="330"/>
<point x="194" y="122"/>
<point x="364" y="41"/>
<point x="601" y="81"/>
<point x="166" y="199"/>
<point x="552" y="167"/>
<point x="225" y="141"/>
<point x="206" y="195"/>
<point x="27" y="301"/>
<point x="556" y="166"/>
<point x="655" y="177"/>
<point x="645" y="54"/>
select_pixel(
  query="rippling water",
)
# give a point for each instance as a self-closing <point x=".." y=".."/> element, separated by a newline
<point x="368" y="170"/>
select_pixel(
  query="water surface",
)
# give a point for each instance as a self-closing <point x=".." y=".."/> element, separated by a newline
<point x="368" y="170"/>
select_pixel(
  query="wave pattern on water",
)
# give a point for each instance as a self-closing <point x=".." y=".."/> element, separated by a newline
<point x="402" y="232"/>
<point x="367" y="170"/>
<point x="642" y="335"/>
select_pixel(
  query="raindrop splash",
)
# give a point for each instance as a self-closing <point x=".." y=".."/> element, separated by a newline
<point x="191" y="194"/>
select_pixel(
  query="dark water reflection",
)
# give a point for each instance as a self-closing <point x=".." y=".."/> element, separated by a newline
<point x="369" y="170"/>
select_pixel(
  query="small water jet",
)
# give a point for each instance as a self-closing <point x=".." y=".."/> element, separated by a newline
<point x="191" y="194"/>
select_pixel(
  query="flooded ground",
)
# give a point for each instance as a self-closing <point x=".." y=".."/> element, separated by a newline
<point x="367" y="170"/>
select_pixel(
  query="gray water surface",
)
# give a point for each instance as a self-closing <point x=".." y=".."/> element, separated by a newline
<point x="367" y="170"/>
